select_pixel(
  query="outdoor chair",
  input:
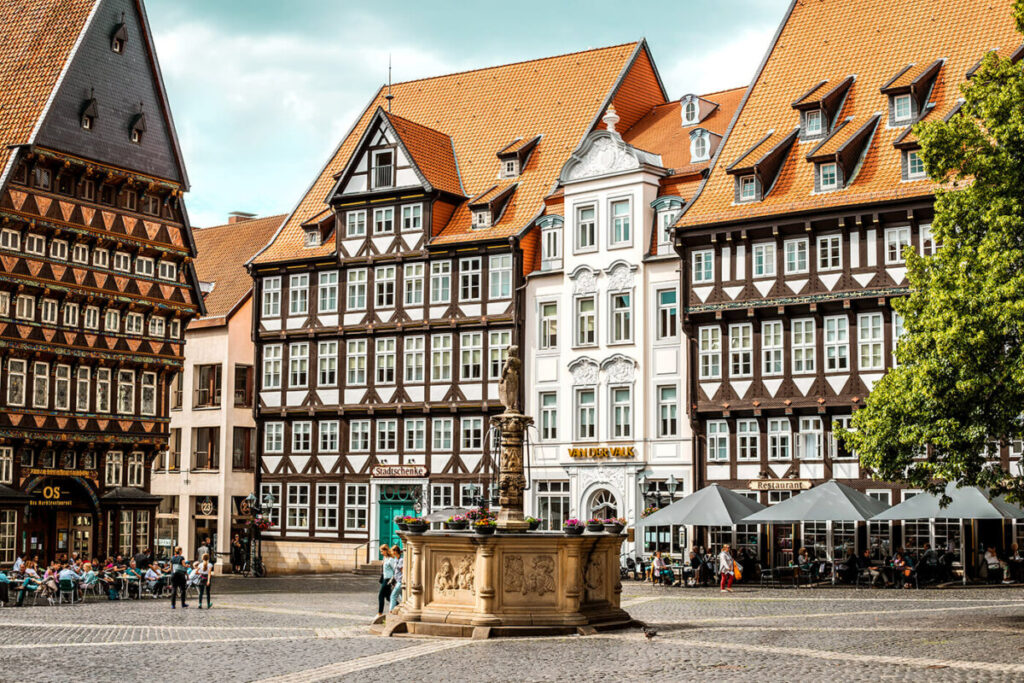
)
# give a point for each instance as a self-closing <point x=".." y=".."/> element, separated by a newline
<point x="93" y="588"/>
<point x="67" y="588"/>
<point x="768" y="578"/>
<point x="864" y="574"/>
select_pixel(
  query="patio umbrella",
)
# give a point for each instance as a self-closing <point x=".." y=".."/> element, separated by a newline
<point x="443" y="514"/>
<point x="829" y="502"/>
<point x="969" y="502"/>
<point x="711" y="506"/>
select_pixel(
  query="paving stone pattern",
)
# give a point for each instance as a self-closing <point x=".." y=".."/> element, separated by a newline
<point x="304" y="629"/>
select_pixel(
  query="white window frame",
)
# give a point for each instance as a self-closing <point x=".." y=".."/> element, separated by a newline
<point x="668" y="315"/>
<point x="710" y="352"/>
<point x="384" y="221"/>
<point x="499" y="270"/>
<point x="298" y="365"/>
<point x="355" y="288"/>
<point x="928" y="245"/>
<point x="412" y="283"/>
<point x="548" y="327"/>
<point x="813" y="115"/>
<point x="741" y="350"/>
<point x="273" y="437"/>
<point x="717" y="441"/>
<point x="620" y="401"/>
<point x="748" y="188"/>
<point x="830" y="252"/>
<point x="384" y="286"/>
<point x="585" y="227"/>
<point x="498" y="342"/>
<point x="828" y="176"/>
<point x="870" y="341"/>
<point x="471" y="430"/>
<point x="415" y="434"/>
<point x="302" y="436"/>
<point x="797" y="256"/>
<point x="836" y="329"/>
<point x="470" y="282"/>
<point x="896" y="240"/>
<point x="620" y="226"/>
<point x="442" y="434"/>
<point x="273" y="355"/>
<point x="327" y="436"/>
<point x="355" y="223"/>
<point x="779" y="439"/>
<point x="359" y="436"/>
<point x="355" y="362"/>
<point x="385" y="358"/>
<point x="387" y="435"/>
<point x="412" y="217"/>
<point x="271" y="297"/>
<point x="668" y="410"/>
<point x="327" y="506"/>
<point x="441" y="282"/>
<point x="298" y="506"/>
<point x="897" y="101"/>
<point x="441" y="358"/>
<point x="803" y="344"/>
<point x="585" y="414"/>
<point x="703" y="270"/>
<point x="298" y="294"/>
<point x="327" y="363"/>
<point x="912" y="174"/>
<point x="357" y="507"/>
<point x="809" y="439"/>
<point x="748" y="440"/>
<point x="327" y="291"/>
<point x="620" y="327"/>
<point x="414" y="352"/>
<point x="547" y="402"/>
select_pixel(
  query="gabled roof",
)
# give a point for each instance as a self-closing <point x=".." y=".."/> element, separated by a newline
<point x="222" y="253"/>
<point x="873" y="40"/>
<point x="37" y="38"/>
<point x="661" y="131"/>
<point x="560" y="98"/>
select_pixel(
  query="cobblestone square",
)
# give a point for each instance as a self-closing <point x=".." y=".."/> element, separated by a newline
<point x="316" y="629"/>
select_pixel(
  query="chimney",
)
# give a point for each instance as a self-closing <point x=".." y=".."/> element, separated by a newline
<point x="239" y="216"/>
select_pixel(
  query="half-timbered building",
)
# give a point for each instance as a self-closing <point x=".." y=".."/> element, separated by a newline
<point x="389" y="297"/>
<point x="97" y="282"/>
<point x="795" y="245"/>
<point x="604" y="354"/>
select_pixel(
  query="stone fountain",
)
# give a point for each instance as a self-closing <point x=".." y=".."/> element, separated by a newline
<point x="515" y="582"/>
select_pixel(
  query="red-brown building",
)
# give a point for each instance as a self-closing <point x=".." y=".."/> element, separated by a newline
<point x="97" y="283"/>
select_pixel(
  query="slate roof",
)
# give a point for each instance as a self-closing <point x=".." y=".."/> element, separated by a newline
<point x="873" y="40"/>
<point x="222" y="253"/>
<point x="560" y="98"/>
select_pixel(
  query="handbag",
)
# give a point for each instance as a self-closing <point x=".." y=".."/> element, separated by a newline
<point x="736" y="571"/>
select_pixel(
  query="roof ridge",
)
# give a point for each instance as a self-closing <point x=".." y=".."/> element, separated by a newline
<point x="240" y="223"/>
<point x="516" y="63"/>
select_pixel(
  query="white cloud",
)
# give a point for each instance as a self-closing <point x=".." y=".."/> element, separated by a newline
<point x="725" y="64"/>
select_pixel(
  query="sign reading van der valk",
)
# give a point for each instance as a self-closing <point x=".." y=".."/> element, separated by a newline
<point x="601" y="452"/>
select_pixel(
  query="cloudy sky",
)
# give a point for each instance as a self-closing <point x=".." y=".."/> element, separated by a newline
<point x="263" y="90"/>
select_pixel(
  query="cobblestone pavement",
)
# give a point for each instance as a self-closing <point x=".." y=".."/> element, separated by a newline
<point x="315" y="629"/>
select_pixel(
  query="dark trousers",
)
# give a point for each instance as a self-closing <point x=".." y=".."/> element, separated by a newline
<point x="178" y="580"/>
<point x="204" y="588"/>
<point x="383" y="595"/>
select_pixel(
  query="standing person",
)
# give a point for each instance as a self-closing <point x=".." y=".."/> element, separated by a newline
<point x="725" y="568"/>
<point x="204" y="570"/>
<point x="143" y="559"/>
<point x="179" y="576"/>
<point x="399" y="563"/>
<point x="237" y="555"/>
<point x="203" y="549"/>
<point x="387" y="573"/>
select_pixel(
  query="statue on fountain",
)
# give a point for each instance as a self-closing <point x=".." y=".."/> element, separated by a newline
<point x="508" y="386"/>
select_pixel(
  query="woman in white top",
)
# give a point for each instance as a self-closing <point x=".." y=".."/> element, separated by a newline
<point x="725" y="568"/>
<point x="204" y="572"/>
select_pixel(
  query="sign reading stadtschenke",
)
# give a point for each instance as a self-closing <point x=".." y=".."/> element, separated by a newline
<point x="399" y="471"/>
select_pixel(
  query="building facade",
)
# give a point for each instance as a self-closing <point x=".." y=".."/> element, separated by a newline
<point x="794" y="247"/>
<point x="207" y="470"/>
<point x="605" y="364"/>
<point x="97" y="283"/>
<point x="389" y="298"/>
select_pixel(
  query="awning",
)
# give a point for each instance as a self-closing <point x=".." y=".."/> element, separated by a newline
<point x="129" y="494"/>
<point x="969" y="502"/>
<point x="829" y="502"/>
<point x="443" y="514"/>
<point x="9" y="495"/>
<point x="711" y="506"/>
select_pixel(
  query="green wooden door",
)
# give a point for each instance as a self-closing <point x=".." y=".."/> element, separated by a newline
<point x="395" y="500"/>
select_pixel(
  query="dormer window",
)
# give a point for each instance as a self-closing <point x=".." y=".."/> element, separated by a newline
<point x="913" y="165"/>
<point x="138" y="128"/>
<point x="748" y="188"/>
<point x="118" y="38"/>
<point x="902" y="109"/>
<point x="312" y="238"/>
<point x="87" y="122"/>
<point x="87" y="118"/>
<point x="699" y="146"/>
<point x="509" y="168"/>
<point x="481" y="219"/>
<point x="383" y="169"/>
<point x="812" y="123"/>
<point x="690" y="111"/>
<point x="828" y="176"/>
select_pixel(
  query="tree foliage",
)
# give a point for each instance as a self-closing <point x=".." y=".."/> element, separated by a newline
<point x="959" y="384"/>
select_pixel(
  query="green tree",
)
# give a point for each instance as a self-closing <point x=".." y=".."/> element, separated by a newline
<point x="959" y="383"/>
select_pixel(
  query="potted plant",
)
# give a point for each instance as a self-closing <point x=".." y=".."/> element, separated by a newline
<point x="416" y="525"/>
<point x="594" y="524"/>
<point x="572" y="527"/>
<point x="649" y="510"/>
<point x="485" y="526"/>
<point x="400" y="522"/>
<point x="614" y="525"/>
<point x="534" y="523"/>
<point x="456" y="523"/>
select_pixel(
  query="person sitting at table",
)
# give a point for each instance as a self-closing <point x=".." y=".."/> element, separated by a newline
<point x="902" y="568"/>
<point x="155" y="579"/>
<point x="928" y="564"/>
<point x="89" y="577"/>
<point x="848" y="569"/>
<point x="657" y="568"/>
<point x="806" y="563"/>
<point x="691" y="565"/>
<point x="993" y="564"/>
<point x="134" y="577"/>
<point x="31" y="582"/>
<point x="70" y="573"/>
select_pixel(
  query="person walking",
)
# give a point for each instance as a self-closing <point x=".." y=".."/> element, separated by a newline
<point x="204" y="570"/>
<point x="179" y="577"/>
<point x="726" y="568"/>
<point x="237" y="555"/>
<point x="203" y="549"/>
<point x="399" y="564"/>
<point x="387" y="573"/>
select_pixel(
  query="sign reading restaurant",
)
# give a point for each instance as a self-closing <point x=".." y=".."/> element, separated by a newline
<point x="603" y="452"/>
<point x="779" y="484"/>
<point x="399" y="471"/>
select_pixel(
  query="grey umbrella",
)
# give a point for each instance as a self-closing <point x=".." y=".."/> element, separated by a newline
<point x="443" y="514"/>
<point x="828" y="502"/>
<point x="969" y="502"/>
<point x="711" y="506"/>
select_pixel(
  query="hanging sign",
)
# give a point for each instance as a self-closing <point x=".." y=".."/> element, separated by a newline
<point x="779" y="484"/>
<point x="603" y="452"/>
<point x="399" y="471"/>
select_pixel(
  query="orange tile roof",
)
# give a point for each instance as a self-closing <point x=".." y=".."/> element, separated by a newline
<point x="559" y="97"/>
<point x="660" y="131"/>
<point x="431" y="151"/>
<point x="36" y="39"/>
<point x="222" y="253"/>
<point x="873" y="39"/>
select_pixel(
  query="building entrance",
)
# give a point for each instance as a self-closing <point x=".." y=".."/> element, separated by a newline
<point x="81" y="534"/>
<point x="395" y="500"/>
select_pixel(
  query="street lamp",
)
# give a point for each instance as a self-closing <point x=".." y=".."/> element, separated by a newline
<point x="673" y="485"/>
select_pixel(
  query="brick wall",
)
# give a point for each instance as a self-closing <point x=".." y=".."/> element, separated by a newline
<point x="296" y="557"/>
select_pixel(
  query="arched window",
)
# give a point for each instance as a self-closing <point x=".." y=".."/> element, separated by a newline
<point x="690" y="112"/>
<point x="699" y="146"/>
<point x="603" y="505"/>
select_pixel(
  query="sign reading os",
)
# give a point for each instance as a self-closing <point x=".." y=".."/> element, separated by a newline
<point x="779" y="485"/>
<point x="53" y="496"/>
<point x="399" y="471"/>
<point x="602" y="452"/>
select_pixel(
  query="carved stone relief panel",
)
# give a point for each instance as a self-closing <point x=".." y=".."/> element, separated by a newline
<point x="593" y="578"/>
<point x="585" y="372"/>
<point x="454" y="574"/>
<point x="533" y="575"/>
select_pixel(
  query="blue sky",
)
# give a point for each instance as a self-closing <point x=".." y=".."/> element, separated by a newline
<point x="262" y="90"/>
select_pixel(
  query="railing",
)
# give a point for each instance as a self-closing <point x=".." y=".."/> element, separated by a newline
<point x="382" y="176"/>
<point x="207" y="398"/>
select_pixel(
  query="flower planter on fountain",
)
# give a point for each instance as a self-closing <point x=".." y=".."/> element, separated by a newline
<point x="595" y="525"/>
<point x="573" y="527"/>
<point x="456" y="523"/>
<point x="416" y="525"/>
<point x="534" y="523"/>
<point x="614" y="525"/>
<point x="485" y="527"/>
